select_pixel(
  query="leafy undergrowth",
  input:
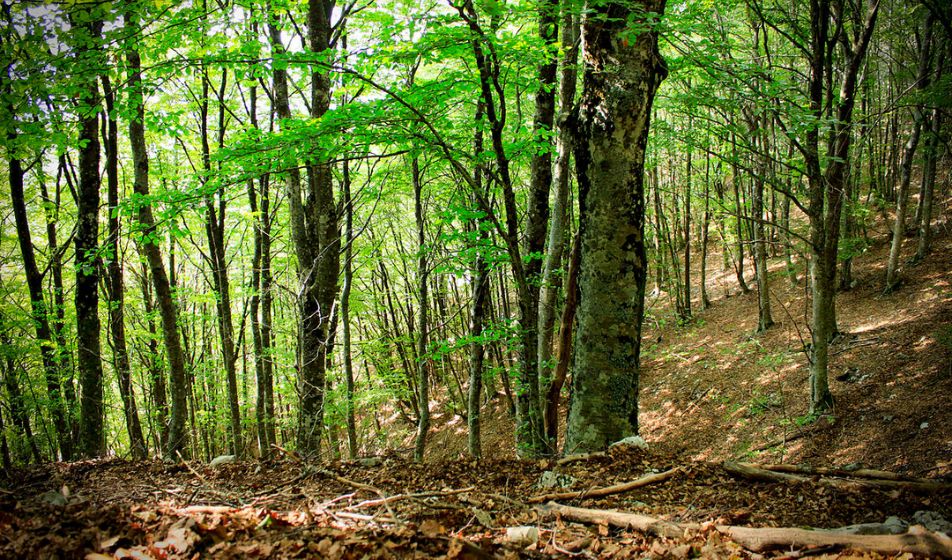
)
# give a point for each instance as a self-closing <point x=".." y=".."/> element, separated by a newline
<point x="398" y="509"/>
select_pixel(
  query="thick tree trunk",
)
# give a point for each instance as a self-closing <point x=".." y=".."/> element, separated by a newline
<point x="315" y="236"/>
<point x="92" y="441"/>
<point x="177" y="441"/>
<point x="620" y="82"/>
<point x="827" y="189"/>
<point x="114" y="287"/>
<point x="480" y="309"/>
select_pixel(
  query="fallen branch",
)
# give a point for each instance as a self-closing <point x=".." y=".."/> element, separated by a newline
<point x="876" y="476"/>
<point x="398" y="497"/>
<point x="360" y="486"/>
<point x="786" y="474"/>
<point x="641" y="523"/>
<point x="917" y="540"/>
<point x="782" y="441"/>
<point x="607" y="490"/>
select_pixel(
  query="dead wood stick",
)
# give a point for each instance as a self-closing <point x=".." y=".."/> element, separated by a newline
<point x="757" y="472"/>
<point x="398" y="497"/>
<point x="607" y="490"/>
<point x="353" y="483"/>
<point x="872" y="474"/>
<point x="640" y="523"/>
<point x="580" y="457"/>
<point x="918" y="540"/>
<point x="781" y="441"/>
<point x="361" y="486"/>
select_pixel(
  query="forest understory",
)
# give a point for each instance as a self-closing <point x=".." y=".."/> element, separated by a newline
<point x="715" y="396"/>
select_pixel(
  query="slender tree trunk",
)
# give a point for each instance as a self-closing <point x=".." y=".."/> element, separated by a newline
<point x="559" y="224"/>
<point x="564" y="352"/>
<point x="215" y="235"/>
<point x="58" y="321"/>
<point x="928" y="184"/>
<point x="620" y="82"/>
<point x="705" y="227"/>
<point x="686" y="308"/>
<point x="177" y="441"/>
<point x="114" y="287"/>
<point x="422" y="326"/>
<point x="18" y="412"/>
<point x="345" y="312"/>
<point x="905" y="167"/>
<point x="739" y="216"/>
<point x="764" y="318"/>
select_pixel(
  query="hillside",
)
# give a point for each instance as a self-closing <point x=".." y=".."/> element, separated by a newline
<point x="712" y="391"/>
<point x="715" y="390"/>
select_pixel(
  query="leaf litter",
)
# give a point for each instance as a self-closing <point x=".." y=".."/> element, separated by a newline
<point x="459" y="509"/>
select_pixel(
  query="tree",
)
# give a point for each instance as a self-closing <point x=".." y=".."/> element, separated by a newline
<point x="177" y="442"/>
<point x="622" y="72"/>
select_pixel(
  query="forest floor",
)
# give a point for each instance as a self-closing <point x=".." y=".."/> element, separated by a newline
<point x="712" y="391"/>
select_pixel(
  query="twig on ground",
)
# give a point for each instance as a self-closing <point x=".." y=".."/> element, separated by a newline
<point x="607" y="490"/>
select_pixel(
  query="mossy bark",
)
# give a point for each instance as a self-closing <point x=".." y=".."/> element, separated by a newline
<point x="623" y="69"/>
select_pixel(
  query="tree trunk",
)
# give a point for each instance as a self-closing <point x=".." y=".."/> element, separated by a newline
<point x="928" y="184"/>
<point x="559" y="223"/>
<point x="564" y="352"/>
<point x="177" y="441"/>
<point x="686" y="303"/>
<point x="92" y="441"/>
<point x="705" y="228"/>
<point x="422" y="326"/>
<point x="826" y="189"/>
<point x="764" y="318"/>
<point x="114" y="287"/>
<point x="345" y="312"/>
<point x="215" y="235"/>
<point x="480" y="309"/>
<point x="39" y="309"/>
<point x="620" y="81"/>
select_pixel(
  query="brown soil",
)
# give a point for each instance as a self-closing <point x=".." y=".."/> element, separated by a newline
<point x="116" y="509"/>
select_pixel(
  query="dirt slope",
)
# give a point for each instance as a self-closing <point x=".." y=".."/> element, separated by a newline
<point x="715" y="389"/>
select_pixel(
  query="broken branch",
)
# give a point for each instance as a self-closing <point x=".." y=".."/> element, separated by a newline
<point x="607" y="490"/>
